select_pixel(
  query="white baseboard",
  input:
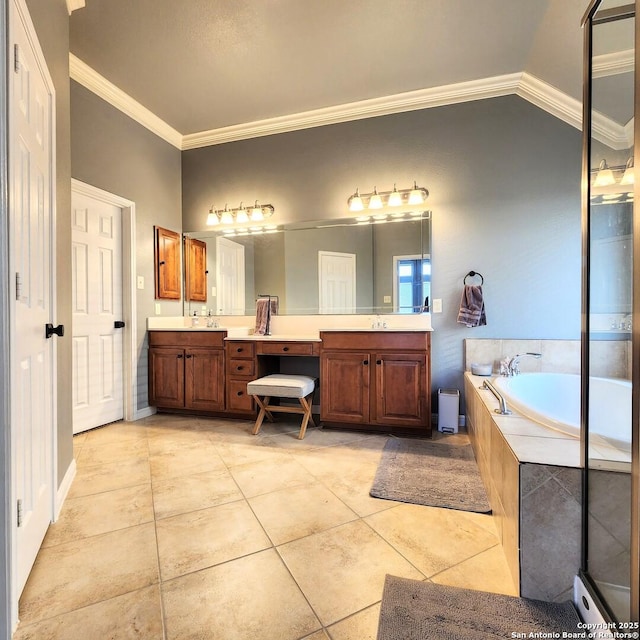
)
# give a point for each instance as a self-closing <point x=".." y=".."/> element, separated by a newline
<point x="144" y="413"/>
<point x="63" y="489"/>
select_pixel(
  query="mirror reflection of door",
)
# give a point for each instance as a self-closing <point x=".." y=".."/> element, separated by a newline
<point x="337" y="282"/>
<point x="229" y="278"/>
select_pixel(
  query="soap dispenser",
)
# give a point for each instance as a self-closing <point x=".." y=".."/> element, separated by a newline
<point x="195" y="321"/>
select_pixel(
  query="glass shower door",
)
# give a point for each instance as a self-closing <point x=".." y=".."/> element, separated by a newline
<point x="608" y="327"/>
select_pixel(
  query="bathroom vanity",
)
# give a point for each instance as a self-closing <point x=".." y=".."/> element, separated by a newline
<point x="373" y="380"/>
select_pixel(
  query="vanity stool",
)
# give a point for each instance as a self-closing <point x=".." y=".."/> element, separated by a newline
<point x="282" y="385"/>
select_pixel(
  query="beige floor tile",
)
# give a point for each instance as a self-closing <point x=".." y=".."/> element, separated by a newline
<point x="185" y="461"/>
<point x="360" y="626"/>
<point x="246" y="451"/>
<point x="314" y="439"/>
<point x="342" y="571"/>
<point x="108" y="511"/>
<point x="270" y="474"/>
<point x="190" y="493"/>
<point x="252" y="597"/>
<point x="132" y="616"/>
<point x="109" y="476"/>
<point x="296" y="512"/>
<point x="118" y="451"/>
<point x="207" y="537"/>
<point x="76" y="574"/>
<point x="177" y="440"/>
<point x="318" y="635"/>
<point x="119" y="431"/>
<point x="434" y="539"/>
<point x="488" y="571"/>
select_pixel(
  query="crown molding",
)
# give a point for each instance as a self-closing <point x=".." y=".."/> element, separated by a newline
<point x="398" y="103"/>
<point x="92" y="80"/>
<point x="72" y="5"/>
<point x="524" y="85"/>
<point x="611" y="64"/>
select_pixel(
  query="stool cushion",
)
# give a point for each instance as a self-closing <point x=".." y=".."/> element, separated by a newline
<point x="282" y="386"/>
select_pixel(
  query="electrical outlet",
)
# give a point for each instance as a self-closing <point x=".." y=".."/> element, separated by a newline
<point x="158" y="308"/>
<point x="437" y="305"/>
<point x="214" y="292"/>
<point x="140" y="282"/>
<point x="387" y="299"/>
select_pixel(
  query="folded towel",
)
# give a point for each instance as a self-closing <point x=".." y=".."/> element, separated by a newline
<point x="472" y="312"/>
<point x="263" y="314"/>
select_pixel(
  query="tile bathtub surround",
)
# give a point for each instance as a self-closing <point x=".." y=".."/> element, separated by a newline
<point x="183" y="528"/>
<point x="609" y="358"/>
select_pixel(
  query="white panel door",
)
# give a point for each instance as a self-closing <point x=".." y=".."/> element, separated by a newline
<point x="337" y="282"/>
<point x="96" y="254"/>
<point x="31" y="219"/>
<point x="230" y="277"/>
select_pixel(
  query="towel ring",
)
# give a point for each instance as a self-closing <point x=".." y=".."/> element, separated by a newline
<point x="474" y="273"/>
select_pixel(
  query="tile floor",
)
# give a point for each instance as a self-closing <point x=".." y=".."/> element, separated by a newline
<point x="180" y="528"/>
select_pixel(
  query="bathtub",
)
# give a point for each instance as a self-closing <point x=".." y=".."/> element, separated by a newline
<point x="553" y="399"/>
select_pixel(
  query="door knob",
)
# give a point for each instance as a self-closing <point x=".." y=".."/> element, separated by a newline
<point x="49" y="330"/>
<point x="118" y="324"/>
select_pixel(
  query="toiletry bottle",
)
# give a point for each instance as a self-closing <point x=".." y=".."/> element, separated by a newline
<point x="195" y="321"/>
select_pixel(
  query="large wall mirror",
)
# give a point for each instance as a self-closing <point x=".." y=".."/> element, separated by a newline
<point x="332" y="266"/>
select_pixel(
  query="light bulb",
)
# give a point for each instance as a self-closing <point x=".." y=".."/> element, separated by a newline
<point x="256" y="212"/>
<point x="395" y="198"/>
<point x="355" y="202"/>
<point x="416" y="196"/>
<point x="605" y="176"/>
<point x="628" y="177"/>
<point x="212" y="218"/>
<point x="375" y="202"/>
<point x="227" y="216"/>
<point x="241" y="215"/>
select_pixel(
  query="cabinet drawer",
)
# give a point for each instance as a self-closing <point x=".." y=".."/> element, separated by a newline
<point x="238" y="367"/>
<point x="241" y="349"/>
<point x="237" y="397"/>
<point x="287" y="348"/>
<point x="213" y="339"/>
<point x="375" y="340"/>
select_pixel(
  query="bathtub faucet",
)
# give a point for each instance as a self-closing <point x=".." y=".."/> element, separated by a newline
<point x="511" y="366"/>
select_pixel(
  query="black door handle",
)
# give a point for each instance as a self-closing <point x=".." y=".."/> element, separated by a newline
<point x="49" y="330"/>
<point x="118" y="324"/>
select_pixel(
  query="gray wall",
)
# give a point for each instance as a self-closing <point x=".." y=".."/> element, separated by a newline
<point x="51" y="21"/>
<point x="114" y="153"/>
<point x="504" y="178"/>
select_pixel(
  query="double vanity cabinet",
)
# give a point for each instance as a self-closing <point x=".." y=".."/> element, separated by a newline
<point x="375" y="380"/>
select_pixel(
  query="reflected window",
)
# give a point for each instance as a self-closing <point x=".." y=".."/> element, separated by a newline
<point x="413" y="284"/>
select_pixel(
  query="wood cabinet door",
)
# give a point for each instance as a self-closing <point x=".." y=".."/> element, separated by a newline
<point x="167" y="264"/>
<point x="204" y="379"/>
<point x="196" y="270"/>
<point x="344" y="390"/>
<point x="400" y="389"/>
<point x="166" y="377"/>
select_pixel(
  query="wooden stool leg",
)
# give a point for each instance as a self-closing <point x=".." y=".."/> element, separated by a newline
<point x="307" y="416"/>
<point x="262" y="403"/>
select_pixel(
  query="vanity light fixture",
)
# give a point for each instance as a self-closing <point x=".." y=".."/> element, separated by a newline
<point x="606" y="176"/>
<point x="627" y="176"/>
<point x="377" y="200"/>
<point x="242" y="215"/>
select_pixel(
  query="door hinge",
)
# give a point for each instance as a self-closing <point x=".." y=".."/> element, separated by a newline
<point x="19" y="512"/>
<point x="16" y="58"/>
<point x="18" y="286"/>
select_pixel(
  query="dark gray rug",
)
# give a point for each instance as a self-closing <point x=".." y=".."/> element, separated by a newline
<point x="430" y="473"/>
<point x="414" y="610"/>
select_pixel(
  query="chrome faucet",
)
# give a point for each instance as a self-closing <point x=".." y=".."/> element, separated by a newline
<point x="511" y="366"/>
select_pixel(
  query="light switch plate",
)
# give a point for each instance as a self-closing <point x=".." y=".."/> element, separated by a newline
<point x="387" y="299"/>
<point x="437" y="305"/>
<point x="158" y="308"/>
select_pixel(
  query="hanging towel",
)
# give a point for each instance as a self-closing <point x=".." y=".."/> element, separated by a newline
<point x="263" y="314"/>
<point x="472" y="312"/>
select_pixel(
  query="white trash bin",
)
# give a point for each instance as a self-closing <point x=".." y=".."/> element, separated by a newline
<point x="448" y="407"/>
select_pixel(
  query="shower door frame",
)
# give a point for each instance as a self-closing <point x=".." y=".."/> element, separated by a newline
<point x="628" y="10"/>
